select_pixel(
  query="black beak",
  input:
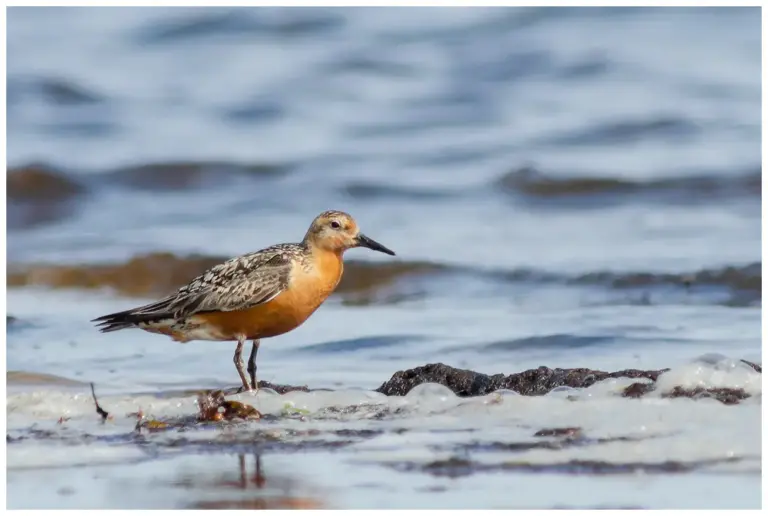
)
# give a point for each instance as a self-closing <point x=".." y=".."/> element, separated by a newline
<point x="364" y="241"/>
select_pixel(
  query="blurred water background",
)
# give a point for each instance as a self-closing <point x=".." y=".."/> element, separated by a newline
<point x="565" y="187"/>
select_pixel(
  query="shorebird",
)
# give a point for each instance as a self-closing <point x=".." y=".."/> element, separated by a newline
<point x="254" y="296"/>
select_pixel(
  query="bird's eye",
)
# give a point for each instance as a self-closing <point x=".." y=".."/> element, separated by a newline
<point x="335" y="224"/>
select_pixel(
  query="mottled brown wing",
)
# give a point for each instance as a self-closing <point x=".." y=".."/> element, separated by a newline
<point x="257" y="287"/>
<point x="235" y="285"/>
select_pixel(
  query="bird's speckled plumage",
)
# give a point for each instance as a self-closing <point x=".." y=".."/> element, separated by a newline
<point x="256" y="295"/>
<point x="237" y="284"/>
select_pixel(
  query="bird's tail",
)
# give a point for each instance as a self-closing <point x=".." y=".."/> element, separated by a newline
<point x="132" y="318"/>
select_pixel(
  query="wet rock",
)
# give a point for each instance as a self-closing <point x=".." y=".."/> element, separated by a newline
<point x="461" y="381"/>
<point x="725" y="395"/>
<point x="531" y="382"/>
<point x="534" y="382"/>
<point x="543" y="379"/>
<point x="638" y="389"/>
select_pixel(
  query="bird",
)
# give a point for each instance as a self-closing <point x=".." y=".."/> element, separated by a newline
<point x="254" y="296"/>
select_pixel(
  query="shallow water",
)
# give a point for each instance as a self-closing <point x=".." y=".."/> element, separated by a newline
<point x="583" y="185"/>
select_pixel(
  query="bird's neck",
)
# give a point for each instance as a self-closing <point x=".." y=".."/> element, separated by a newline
<point x="321" y="251"/>
<point x="329" y="264"/>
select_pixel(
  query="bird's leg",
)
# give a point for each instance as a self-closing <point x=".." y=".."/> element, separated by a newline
<point x="252" y="364"/>
<point x="239" y="364"/>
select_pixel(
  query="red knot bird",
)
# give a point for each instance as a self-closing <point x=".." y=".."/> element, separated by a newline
<point x="254" y="296"/>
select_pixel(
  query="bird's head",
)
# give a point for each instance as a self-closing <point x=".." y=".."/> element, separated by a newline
<point x="337" y="231"/>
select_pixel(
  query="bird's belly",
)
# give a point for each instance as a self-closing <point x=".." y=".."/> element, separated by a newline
<point x="281" y="315"/>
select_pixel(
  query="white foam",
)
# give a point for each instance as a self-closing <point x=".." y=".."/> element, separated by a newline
<point x="712" y="371"/>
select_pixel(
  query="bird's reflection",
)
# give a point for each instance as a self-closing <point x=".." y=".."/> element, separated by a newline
<point x="248" y="489"/>
<point x="257" y="480"/>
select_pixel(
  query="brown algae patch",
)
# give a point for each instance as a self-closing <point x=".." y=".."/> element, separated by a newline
<point x="142" y="275"/>
<point x="158" y="274"/>
<point x="533" y="183"/>
<point x="40" y="183"/>
<point x="38" y="194"/>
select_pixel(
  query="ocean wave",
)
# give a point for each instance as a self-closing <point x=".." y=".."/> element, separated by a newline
<point x="197" y="25"/>
<point x="627" y="131"/>
<point x="52" y="90"/>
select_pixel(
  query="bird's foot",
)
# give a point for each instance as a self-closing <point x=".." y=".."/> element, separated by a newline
<point x="244" y="388"/>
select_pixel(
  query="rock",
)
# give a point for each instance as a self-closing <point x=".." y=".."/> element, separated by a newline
<point x="463" y="382"/>
<point x="535" y="382"/>
<point x="532" y="382"/>
<point x="725" y="395"/>
<point x="638" y="389"/>
<point x="728" y="396"/>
